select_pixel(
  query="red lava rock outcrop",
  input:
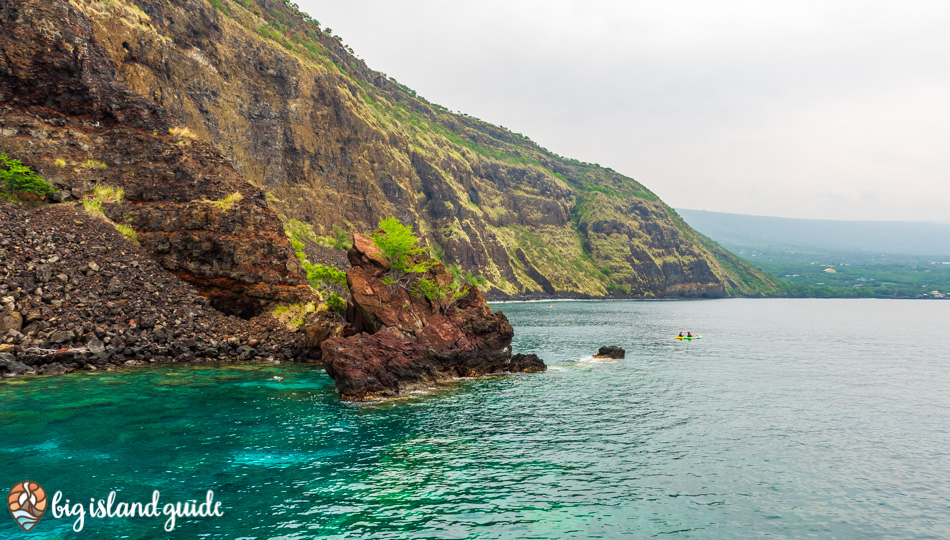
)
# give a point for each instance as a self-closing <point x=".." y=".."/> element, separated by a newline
<point x="400" y="341"/>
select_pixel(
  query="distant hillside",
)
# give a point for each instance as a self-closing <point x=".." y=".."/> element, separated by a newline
<point x="827" y="258"/>
<point x="737" y="231"/>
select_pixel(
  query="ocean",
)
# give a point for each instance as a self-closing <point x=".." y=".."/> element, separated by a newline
<point x="790" y="418"/>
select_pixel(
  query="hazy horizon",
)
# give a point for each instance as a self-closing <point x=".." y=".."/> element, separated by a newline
<point x="922" y="221"/>
<point x="832" y="110"/>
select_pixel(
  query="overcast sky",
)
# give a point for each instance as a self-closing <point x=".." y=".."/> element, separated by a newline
<point x="830" y="109"/>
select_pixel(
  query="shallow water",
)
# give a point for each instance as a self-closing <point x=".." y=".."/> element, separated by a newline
<point x="790" y="418"/>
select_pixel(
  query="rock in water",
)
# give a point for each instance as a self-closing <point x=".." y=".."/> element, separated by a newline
<point x="610" y="352"/>
<point x="400" y="341"/>
<point x="527" y="362"/>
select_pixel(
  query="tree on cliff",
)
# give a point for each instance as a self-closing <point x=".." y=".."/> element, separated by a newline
<point x="400" y="248"/>
<point x="408" y="264"/>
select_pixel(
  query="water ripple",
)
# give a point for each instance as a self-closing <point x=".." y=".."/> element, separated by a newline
<point x="790" y="418"/>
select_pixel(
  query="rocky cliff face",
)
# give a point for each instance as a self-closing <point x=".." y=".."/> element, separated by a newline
<point x="401" y="341"/>
<point x="64" y="112"/>
<point x="335" y="144"/>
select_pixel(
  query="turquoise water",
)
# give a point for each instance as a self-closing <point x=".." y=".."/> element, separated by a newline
<point x="790" y="418"/>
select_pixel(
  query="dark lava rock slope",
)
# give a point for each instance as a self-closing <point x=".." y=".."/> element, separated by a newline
<point x="76" y="294"/>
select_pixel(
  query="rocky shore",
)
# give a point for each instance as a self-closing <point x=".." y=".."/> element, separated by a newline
<point x="76" y="294"/>
<point x="210" y="260"/>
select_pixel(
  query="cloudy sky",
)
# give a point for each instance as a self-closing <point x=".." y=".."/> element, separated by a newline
<point x="817" y="109"/>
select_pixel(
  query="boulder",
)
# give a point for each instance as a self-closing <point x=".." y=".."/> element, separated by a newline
<point x="320" y="326"/>
<point x="10" y="320"/>
<point x="10" y="367"/>
<point x="96" y="347"/>
<point x="610" y="352"/>
<point x="399" y="341"/>
<point x="527" y="363"/>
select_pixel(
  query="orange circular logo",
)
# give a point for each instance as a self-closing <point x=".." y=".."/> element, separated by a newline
<point x="27" y="504"/>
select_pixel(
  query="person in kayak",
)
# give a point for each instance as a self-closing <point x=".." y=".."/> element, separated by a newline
<point x="689" y="334"/>
<point x="681" y="334"/>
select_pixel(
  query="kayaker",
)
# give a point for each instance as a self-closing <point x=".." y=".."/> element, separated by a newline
<point x="689" y="334"/>
<point x="681" y="334"/>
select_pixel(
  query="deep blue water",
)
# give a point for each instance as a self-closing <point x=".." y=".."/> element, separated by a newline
<point x="789" y="419"/>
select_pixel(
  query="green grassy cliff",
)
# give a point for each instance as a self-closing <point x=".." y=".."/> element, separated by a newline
<point x="337" y="146"/>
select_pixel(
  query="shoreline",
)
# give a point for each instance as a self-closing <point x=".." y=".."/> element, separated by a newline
<point x="680" y="299"/>
<point x="128" y="368"/>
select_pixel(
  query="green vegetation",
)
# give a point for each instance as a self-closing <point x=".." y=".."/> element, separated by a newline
<point x="18" y="183"/>
<point x="299" y="232"/>
<point x="108" y="194"/>
<point x="92" y="164"/>
<point x="408" y="264"/>
<point x="226" y="203"/>
<point x="327" y="276"/>
<point x="103" y="194"/>
<point x="862" y="277"/>
<point x="127" y="232"/>
<point x="94" y="207"/>
<point x="400" y="248"/>
<point x="329" y="281"/>
<point x="742" y="278"/>
<point x="218" y="5"/>
<point x="340" y="240"/>
<point x="443" y="296"/>
<point x="458" y="276"/>
<point x="292" y="315"/>
<point x="835" y="259"/>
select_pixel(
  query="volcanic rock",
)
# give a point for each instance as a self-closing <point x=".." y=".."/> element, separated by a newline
<point x="9" y="367"/>
<point x="610" y="352"/>
<point x="77" y="324"/>
<point x="403" y="341"/>
<point x="10" y="320"/>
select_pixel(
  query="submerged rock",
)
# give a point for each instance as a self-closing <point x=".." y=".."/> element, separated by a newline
<point x="610" y="352"/>
<point x="399" y="341"/>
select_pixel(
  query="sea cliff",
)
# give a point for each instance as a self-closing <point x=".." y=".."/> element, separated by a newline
<point x="337" y="146"/>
